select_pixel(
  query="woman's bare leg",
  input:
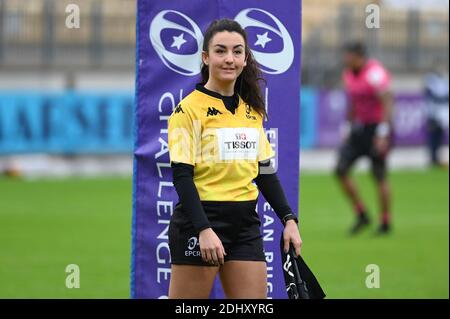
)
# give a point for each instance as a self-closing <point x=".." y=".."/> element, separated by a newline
<point x="244" y="279"/>
<point x="191" y="282"/>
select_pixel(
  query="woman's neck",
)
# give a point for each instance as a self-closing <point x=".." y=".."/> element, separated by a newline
<point x="225" y="89"/>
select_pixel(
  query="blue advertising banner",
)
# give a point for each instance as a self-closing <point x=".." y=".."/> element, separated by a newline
<point x="70" y="122"/>
<point x="102" y="122"/>
<point x="169" y="40"/>
<point x="308" y="117"/>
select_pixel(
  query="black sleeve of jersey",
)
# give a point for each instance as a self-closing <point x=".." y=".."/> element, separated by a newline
<point x="187" y="192"/>
<point x="270" y="187"/>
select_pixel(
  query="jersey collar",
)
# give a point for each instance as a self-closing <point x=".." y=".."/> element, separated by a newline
<point x="200" y="87"/>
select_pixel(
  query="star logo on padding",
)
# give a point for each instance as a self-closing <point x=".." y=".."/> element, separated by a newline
<point x="178" y="41"/>
<point x="262" y="39"/>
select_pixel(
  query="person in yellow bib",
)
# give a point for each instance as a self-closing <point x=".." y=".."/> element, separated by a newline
<point x="218" y="152"/>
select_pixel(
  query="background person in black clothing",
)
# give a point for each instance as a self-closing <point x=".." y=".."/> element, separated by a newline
<point x="436" y="109"/>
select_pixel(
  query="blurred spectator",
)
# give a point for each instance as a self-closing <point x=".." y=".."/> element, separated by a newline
<point x="437" y="105"/>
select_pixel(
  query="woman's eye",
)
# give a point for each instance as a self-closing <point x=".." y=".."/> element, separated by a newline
<point x="237" y="52"/>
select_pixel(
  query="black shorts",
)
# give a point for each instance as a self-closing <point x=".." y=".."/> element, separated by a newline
<point x="361" y="143"/>
<point x="237" y="224"/>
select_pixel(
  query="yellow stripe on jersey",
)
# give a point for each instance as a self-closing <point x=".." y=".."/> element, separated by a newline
<point x="223" y="147"/>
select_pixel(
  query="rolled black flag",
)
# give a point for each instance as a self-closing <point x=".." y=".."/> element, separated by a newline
<point x="299" y="279"/>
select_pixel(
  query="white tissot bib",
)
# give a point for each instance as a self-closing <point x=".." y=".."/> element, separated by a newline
<point x="238" y="143"/>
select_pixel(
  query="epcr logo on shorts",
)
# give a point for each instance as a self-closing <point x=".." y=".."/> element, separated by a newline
<point x="185" y="64"/>
<point x="189" y="64"/>
<point x="192" y="242"/>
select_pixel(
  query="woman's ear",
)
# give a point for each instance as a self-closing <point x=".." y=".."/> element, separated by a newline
<point x="205" y="58"/>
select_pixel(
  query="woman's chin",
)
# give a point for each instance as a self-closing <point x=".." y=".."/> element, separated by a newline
<point x="227" y="78"/>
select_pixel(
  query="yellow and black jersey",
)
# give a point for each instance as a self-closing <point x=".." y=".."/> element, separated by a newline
<point x="223" y="147"/>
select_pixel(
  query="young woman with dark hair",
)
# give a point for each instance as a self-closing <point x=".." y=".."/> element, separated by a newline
<point x="217" y="150"/>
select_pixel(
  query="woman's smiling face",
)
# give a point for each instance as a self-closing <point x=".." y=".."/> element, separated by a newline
<point x="226" y="56"/>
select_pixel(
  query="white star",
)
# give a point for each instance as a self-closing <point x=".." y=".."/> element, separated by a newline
<point x="178" y="41"/>
<point x="262" y="39"/>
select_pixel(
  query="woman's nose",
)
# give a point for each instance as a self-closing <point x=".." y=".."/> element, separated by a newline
<point x="229" y="57"/>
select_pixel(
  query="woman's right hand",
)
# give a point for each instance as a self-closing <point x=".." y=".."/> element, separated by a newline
<point x="211" y="247"/>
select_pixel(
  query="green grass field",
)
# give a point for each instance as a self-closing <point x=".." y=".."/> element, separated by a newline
<point x="47" y="224"/>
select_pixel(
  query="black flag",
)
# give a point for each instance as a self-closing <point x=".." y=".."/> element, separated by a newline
<point x="299" y="279"/>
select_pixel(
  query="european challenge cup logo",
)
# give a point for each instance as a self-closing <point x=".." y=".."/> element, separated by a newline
<point x="177" y="40"/>
<point x="178" y="44"/>
<point x="269" y="40"/>
<point x="192" y="243"/>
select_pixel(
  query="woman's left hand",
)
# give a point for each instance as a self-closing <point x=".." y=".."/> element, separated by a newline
<point x="291" y="234"/>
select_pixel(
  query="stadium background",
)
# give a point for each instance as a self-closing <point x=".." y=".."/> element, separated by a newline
<point x="66" y="136"/>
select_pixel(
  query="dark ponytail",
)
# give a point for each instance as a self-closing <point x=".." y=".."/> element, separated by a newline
<point x="247" y="84"/>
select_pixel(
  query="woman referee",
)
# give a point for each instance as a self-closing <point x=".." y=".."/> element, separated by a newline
<point x="217" y="149"/>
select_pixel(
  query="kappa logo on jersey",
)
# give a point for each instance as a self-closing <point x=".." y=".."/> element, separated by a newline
<point x="178" y="47"/>
<point x="193" y="246"/>
<point x="178" y="109"/>
<point x="264" y="41"/>
<point x="212" y="111"/>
